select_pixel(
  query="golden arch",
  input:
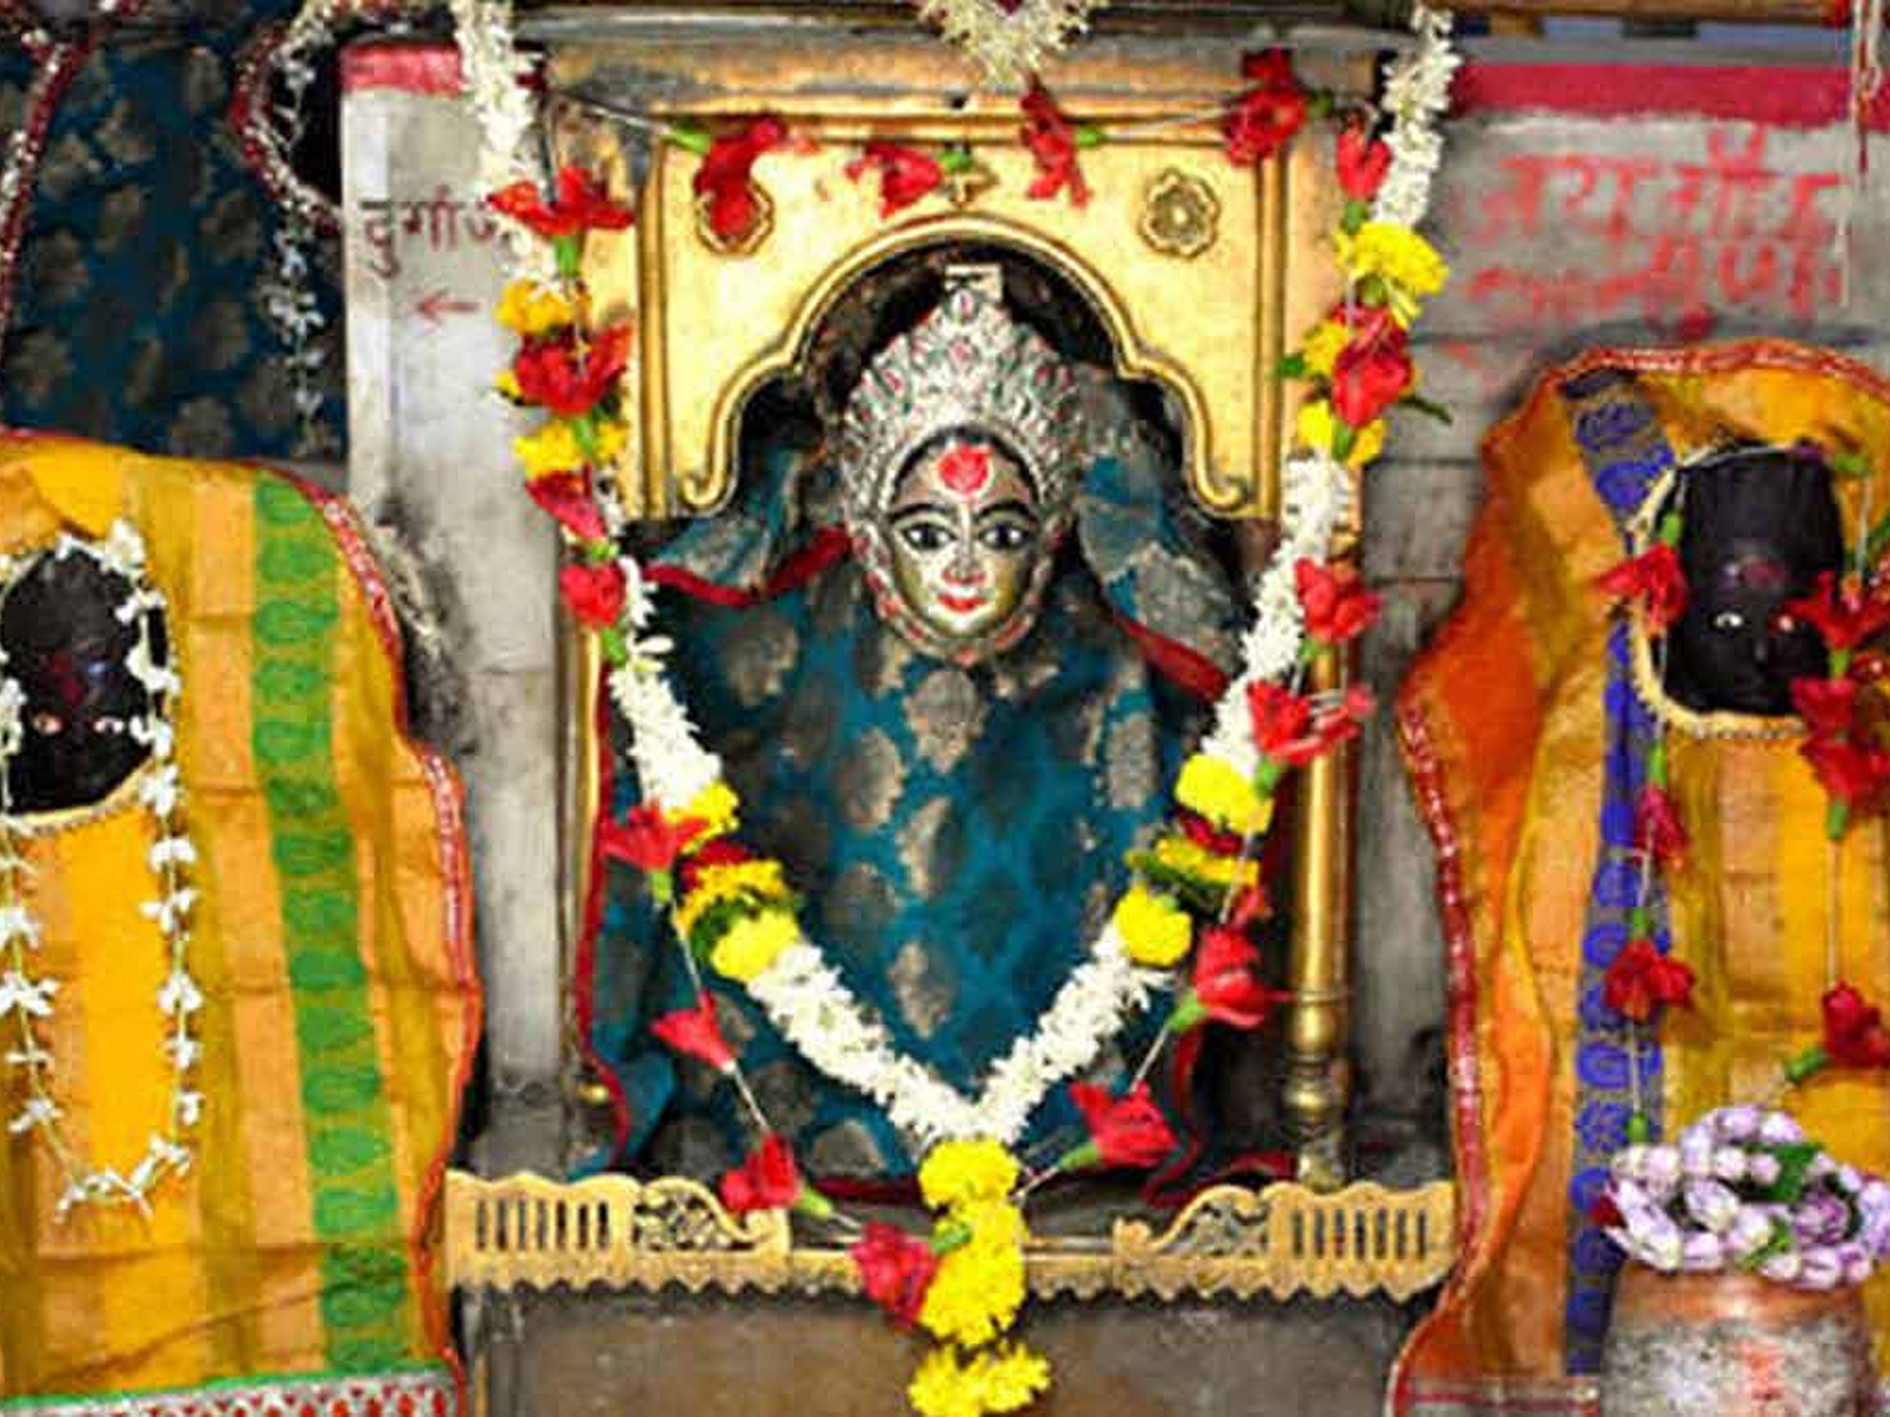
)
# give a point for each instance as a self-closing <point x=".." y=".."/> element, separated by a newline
<point x="1132" y="359"/>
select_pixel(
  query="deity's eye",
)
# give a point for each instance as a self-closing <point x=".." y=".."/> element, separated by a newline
<point x="926" y="536"/>
<point x="46" y="723"/>
<point x="109" y="725"/>
<point x="1005" y="536"/>
<point x="1729" y="620"/>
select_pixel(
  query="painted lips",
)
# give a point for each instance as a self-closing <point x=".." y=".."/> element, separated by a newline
<point x="961" y="604"/>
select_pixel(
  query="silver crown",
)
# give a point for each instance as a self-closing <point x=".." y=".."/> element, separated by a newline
<point x="966" y="364"/>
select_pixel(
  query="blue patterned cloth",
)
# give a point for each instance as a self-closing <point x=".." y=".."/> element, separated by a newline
<point x="958" y="835"/>
<point x="1626" y="456"/>
<point x="139" y="310"/>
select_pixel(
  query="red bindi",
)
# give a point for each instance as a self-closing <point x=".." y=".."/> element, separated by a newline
<point x="965" y="470"/>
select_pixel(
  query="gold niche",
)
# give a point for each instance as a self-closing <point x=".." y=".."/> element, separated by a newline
<point x="715" y="324"/>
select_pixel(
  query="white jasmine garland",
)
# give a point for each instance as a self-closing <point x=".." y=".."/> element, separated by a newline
<point x="801" y="992"/>
<point x="1417" y="92"/>
<point x="28" y="1001"/>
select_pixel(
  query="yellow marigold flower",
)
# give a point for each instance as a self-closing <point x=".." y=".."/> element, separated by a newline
<point x="1189" y="858"/>
<point x="716" y="807"/>
<point x="959" y="1172"/>
<point x="719" y="883"/>
<point x="976" y="1293"/>
<point x="753" y="943"/>
<point x="1009" y="1377"/>
<point x="1395" y="254"/>
<point x="1323" y="347"/>
<point x="531" y="308"/>
<point x="1318" y="427"/>
<point x="507" y="384"/>
<point x="1212" y="788"/>
<point x="552" y="448"/>
<point x="612" y="434"/>
<point x="1154" y="929"/>
<point x="1005" y="1379"/>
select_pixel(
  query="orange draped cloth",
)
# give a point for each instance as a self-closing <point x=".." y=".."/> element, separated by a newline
<point x="291" y="1269"/>
<point x="1502" y="722"/>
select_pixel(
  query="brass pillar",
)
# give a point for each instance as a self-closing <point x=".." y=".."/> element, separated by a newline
<point x="1317" y="1084"/>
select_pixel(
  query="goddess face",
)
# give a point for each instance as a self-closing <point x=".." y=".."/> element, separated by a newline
<point x="966" y="536"/>
<point x="1759" y="526"/>
<point x="67" y="648"/>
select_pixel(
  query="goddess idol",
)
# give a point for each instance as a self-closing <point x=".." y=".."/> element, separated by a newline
<point x="949" y="643"/>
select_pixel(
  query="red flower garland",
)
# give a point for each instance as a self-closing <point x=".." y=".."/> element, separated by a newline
<point x="1641" y="979"/>
<point x="581" y="205"/>
<point x="568" y="379"/>
<point x="1267" y="117"/>
<point x="1854" y="1035"/>
<point x="697" y="1033"/>
<point x="1123" y="1131"/>
<point x="905" y="174"/>
<point x="1337" y="606"/>
<point x="1053" y="142"/>
<point x="767" y="1180"/>
<point x="896" y="1270"/>
<point x="1656" y="578"/>
<point x="727" y="171"/>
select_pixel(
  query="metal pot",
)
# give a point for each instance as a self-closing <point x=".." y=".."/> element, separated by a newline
<point x="1734" y="1345"/>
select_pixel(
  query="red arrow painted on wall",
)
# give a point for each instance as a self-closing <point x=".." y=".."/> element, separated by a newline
<point x="436" y="307"/>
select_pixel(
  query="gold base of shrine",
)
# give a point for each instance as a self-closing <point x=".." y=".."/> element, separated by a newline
<point x="1285" y="1240"/>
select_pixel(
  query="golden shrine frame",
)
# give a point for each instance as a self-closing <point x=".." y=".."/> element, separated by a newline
<point x="1172" y="231"/>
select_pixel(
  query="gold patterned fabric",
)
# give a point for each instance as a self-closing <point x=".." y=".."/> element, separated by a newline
<point x="1507" y="721"/>
<point x="331" y="943"/>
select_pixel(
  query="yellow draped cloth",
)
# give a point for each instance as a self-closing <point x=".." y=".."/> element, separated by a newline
<point x="1502" y="720"/>
<point x="294" y="1261"/>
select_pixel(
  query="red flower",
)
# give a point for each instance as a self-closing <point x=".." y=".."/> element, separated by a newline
<point x="581" y="205"/>
<point x="1641" y="979"/>
<point x="565" y="497"/>
<point x="569" y="380"/>
<point x="1338" y="607"/>
<point x="696" y="1033"/>
<point x="1250" y="905"/>
<point x="768" y="1180"/>
<point x="1292" y="731"/>
<point x="1854" y="1035"/>
<point x="594" y="593"/>
<point x="896" y="1270"/>
<point x="1658" y="828"/>
<point x="1850" y="772"/>
<point x="905" y="174"/>
<point x="1656" y="577"/>
<point x="1363" y="162"/>
<point x="1269" y="113"/>
<point x="725" y="173"/>
<point x="1225" y="985"/>
<point x="1202" y="833"/>
<point x="1053" y="144"/>
<point x="1372" y="372"/>
<point x="647" y="839"/>
<point x="720" y="852"/>
<point x="1845" y="612"/>
<point x="1828" y="706"/>
<point x="1125" y="1131"/>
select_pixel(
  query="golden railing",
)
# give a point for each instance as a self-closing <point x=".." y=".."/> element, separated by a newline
<point x="626" y="1234"/>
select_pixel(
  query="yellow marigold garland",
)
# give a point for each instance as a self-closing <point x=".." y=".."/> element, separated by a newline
<point x="531" y="308"/>
<point x="1155" y="931"/>
<point x="1006" y="1378"/>
<point x="960" y="1172"/>
<point x="1212" y="788"/>
<point x="752" y="943"/>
